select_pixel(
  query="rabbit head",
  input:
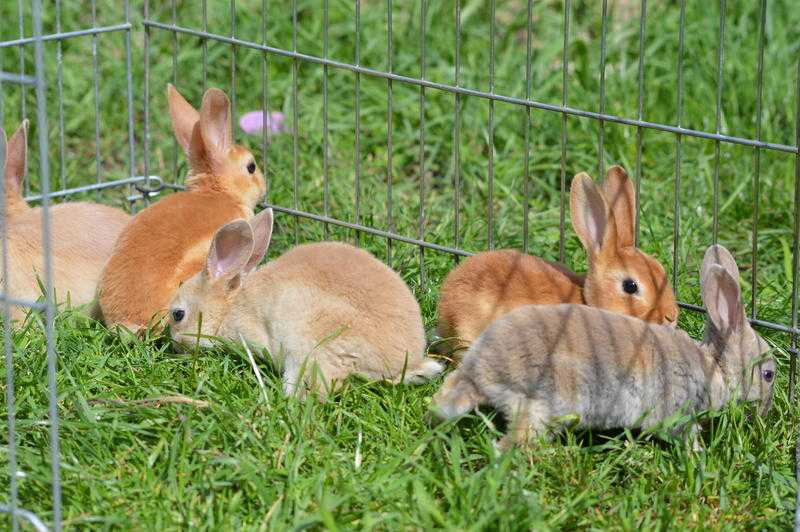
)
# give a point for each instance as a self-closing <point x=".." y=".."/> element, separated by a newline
<point x="207" y="139"/>
<point x="741" y="351"/>
<point x="16" y="161"/>
<point x="201" y="303"/>
<point x="620" y="278"/>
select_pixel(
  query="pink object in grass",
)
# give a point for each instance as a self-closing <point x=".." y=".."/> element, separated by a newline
<point x="253" y="122"/>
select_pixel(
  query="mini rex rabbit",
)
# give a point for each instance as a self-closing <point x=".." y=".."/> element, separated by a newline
<point x="82" y="236"/>
<point x="621" y="278"/>
<point x="166" y="243"/>
<point x="323" y="311"/>
<point x="541" y="363"/>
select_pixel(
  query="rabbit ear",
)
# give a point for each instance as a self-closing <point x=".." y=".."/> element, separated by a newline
<point x="590" y="215"/>
<point x="718" y="255"/>
<point x="722" y="298"/>
<point x="16" y="161"/>
<point x="230" y="251"/>
<point x="184" y="117"/>
<point x="211" y="139"/>
<point x="261" y="224"/>
<point x="621" y="199"/>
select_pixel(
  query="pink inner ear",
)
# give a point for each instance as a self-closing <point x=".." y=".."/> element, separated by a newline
<point x="228" y="252"/>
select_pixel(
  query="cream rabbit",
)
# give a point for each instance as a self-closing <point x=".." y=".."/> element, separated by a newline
<point x="323" y="311"/>
<point x="82" y="236"/>
<point x="621" y="278"/>
<point x="541" y="363"/>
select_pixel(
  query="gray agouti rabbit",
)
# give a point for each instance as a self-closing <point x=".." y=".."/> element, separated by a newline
<point x="541" y="364"/>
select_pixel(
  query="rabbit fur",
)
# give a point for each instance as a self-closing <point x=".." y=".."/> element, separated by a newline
<point x="539" y="364"/>
<point x="488" y="285"/>
<point x="167" y="242"/>
<point x="82" y="236"/>
<point x="323" y="311"/>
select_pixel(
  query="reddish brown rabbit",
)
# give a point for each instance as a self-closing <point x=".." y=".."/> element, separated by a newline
<point x="621" y="278"/>
<point x="167" y="243"/>
<point x="82" y="236"/>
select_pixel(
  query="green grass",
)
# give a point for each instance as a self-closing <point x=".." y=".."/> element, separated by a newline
<point x="242" y="460"/>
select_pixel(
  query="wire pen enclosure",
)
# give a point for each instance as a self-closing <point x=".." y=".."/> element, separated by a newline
<point x="424" y="131"/>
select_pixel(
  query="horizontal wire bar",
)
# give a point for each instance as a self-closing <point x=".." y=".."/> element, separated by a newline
<point x="67" y="35"/>
<point x="35" y="305"/>
<point x="759" y="323"/>
<point x="10" y="77"/>
<point x="97" y="186"/>
<point x="477" y="93"/>
<point x="455" y="251"/>
<point x="29" y="516"/>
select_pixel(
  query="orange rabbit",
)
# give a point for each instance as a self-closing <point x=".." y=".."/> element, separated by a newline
<point x="621" y="278"/>
<point x="167" y="242"/>
<point x="82" y="236"/>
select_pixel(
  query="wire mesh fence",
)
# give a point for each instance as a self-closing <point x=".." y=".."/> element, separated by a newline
<point x="401" y="183"/>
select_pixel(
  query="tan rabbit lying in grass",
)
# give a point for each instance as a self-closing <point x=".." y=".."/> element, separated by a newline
<point x="82" y="236"/>
<point x="323" y="311"/>
<point x="621" y="277"/>
<point x="541" y="363"/>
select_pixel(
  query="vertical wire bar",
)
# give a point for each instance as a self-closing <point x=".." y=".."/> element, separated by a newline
<point x="325" y="148"/>
<point x="639" y="115"/>
<point x="526" y="155"/>
<point x="795" y="245"/>
<point x="422" y="73"/>
<point x="44" y="173"/>
<point x="676" y="235"/>
<point x="96" y="90"/>
<point x="204" y="44"/>
<point x="720" y="66"/>
<point x="9" y="353"/>
<point x="174" y="82"/>
<point x="564" y="95"/>
<point x="146" y="113"/>
<point x="601" y="132"/>
<point x="23" y="87"/>
<point x="129" y="79"/>
<point x="757" y="159"/>
<point x="490" y="195"/>
<point x="233" y="65"/>
<point x="457" y="132"/>
<point x="295" y="125"/>
<point x="264" y="97"/>
<point x="358" y="121"/>
<point x="60" y="96"/>
<point x="389" y="148"/>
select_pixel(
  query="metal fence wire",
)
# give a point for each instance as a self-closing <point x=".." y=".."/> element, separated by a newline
<point x="41" y="97"/>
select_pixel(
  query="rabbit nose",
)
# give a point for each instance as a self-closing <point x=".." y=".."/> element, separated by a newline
<point x="670" y="319"/>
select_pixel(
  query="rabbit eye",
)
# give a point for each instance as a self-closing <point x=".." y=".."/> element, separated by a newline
<point x="251" y="167"/>
<point x="768" y="375"/>
<point x="178" y="314"/>
<point x="630" y="286"/>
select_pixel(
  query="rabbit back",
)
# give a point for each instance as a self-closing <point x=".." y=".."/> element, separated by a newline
<point x="489" y="285"/>
<point x="351" y="310"/>
<point x="163" y="245"/>
<point x="608" y="369"/>
<point x="82" y="237"/>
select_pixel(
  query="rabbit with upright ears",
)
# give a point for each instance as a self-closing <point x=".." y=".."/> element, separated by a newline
<point x="323" y="311"/>
<point x="621" y="278"/>
<point x="82" y="236"/>
<point x="542" y="364"/>
<point x="166" y="243"/>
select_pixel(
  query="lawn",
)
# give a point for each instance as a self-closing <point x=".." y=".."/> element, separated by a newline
<point x="136" y="454"/>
